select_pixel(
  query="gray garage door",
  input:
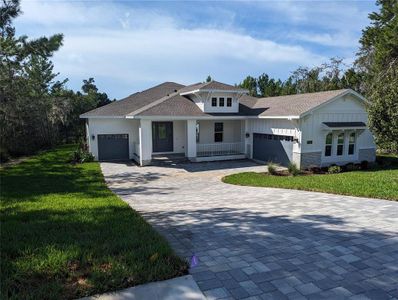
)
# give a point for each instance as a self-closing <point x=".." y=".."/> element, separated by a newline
<point x="113" y="146"/>
<point x="275" y="148"/>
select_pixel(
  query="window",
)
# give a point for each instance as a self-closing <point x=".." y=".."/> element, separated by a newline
<point x="218" y="132"/>
<point x="229" y="102"/>
<point x="328" y="146"/>
<point x="221" y="101"/>
<point x="340" y="144"/>
<point x="214" y="101"/>
<point x="351" y="143"/>
<point x="309" y="142"/>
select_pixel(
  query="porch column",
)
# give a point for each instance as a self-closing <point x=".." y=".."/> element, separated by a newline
<point x="145" y="133"/>
<point x="191" y="139"/>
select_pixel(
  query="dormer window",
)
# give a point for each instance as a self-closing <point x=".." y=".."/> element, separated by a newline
<point x="229" y="102"/>
<point x="214" y="101"/>
<point x="221" y="101"/>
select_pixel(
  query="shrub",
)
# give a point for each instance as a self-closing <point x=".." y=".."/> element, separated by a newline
<point x="271" y="168"/>
<point x="82" y="155"/>
<point x="334" y="169"/>
<point x="293" y="170"/>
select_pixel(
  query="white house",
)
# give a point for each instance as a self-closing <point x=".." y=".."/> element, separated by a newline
<point x="215" y="121"/>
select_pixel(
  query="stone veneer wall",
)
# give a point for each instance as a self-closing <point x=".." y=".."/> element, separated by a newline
<point x="310" y="159"/>
<point x="367" y="154"/>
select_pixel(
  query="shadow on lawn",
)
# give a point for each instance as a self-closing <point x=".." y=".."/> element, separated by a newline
<point x="358" y="260"/>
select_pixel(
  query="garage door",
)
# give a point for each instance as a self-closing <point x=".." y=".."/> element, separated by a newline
<point x="113" y="146"/>
<point x="275" y="148"/>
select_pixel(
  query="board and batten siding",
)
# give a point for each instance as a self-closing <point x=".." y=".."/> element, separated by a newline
<point x="344" y="109"/>
<point x="112" y="126"/>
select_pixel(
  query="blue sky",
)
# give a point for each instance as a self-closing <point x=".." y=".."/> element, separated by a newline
<point x="129" y="46"/>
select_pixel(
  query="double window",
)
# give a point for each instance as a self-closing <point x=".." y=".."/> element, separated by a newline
<point x="218" y="132"/>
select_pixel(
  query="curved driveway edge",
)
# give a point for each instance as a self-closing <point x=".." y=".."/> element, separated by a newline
<point x="265" y="242"/>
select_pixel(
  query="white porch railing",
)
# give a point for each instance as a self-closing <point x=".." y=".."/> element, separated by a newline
<point x="219" y="149"/>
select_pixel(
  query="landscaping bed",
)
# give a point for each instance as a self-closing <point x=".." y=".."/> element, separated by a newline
<point x="378" y="181"/>
<point x="65" y="235"/>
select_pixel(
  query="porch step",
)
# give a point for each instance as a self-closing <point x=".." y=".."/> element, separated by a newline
<point x="173" y="159"/>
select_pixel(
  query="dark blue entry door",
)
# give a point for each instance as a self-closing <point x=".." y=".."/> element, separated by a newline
<point x="162" y="136"/>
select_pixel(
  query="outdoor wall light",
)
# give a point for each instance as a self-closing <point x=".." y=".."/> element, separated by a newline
<point x="93" y="137"/>
<point x="247" y="134"/>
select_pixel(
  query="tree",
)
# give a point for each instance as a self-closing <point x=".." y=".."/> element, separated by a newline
<point x="25" y="74"/>
<point x="377" y="60"/>
<point x="250" y="83"/>
<point x="208" y="78"/>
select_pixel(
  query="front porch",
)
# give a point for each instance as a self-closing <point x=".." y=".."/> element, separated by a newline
<point x="193" y="140"/>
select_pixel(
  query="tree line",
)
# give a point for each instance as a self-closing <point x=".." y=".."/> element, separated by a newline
<point x="38" y="111"/>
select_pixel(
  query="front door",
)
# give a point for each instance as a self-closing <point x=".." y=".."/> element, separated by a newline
<point x="162" y="136"/>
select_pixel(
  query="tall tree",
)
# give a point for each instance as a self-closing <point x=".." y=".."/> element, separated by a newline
<point x="378" y="60"/>
<point x="21" y="62"/>
<point x="250" y="83"/>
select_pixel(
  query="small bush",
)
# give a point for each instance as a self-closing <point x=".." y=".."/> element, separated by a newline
<point x="81" y="155"/>
<point x="334" y="169"/>
<point x="293" y="169"/>
<point x="271" y="168"/>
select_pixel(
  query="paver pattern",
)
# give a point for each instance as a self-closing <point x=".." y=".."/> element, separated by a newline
<point x="265" y="243"/>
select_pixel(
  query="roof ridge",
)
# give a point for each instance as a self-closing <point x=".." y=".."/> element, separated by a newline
<point x="152" y="104"/>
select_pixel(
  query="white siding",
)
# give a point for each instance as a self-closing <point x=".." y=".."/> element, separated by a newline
<point x="179" y="136"/>
<point x="112" y="126"/>
<point x="232" y="131"/>
<point x="345" y="109"/>
<point x="203" y="100"/>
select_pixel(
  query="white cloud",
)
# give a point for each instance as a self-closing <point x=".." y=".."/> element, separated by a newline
<point x="138" y="47"/>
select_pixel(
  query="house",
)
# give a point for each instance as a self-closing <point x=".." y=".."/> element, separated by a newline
<point x="216" y="121"/>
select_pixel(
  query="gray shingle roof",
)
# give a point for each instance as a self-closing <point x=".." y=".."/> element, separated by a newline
<point x="294" y="105"/>
<point x="165" y="100"/>
<point x="135" y="101"/>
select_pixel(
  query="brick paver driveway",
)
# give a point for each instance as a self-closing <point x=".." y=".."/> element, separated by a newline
<point x="266" y="243"/>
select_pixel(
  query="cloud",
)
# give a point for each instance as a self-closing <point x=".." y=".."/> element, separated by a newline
<point x="129" y="46"/>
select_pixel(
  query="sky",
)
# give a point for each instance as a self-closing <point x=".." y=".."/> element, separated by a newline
<point x="129" y="46"/>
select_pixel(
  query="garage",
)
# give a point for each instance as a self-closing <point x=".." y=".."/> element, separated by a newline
<point x="113" y="146"/>
<point x="273" y="148"/>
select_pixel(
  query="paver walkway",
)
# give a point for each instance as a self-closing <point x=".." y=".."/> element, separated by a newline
<point x="266" y="243"/>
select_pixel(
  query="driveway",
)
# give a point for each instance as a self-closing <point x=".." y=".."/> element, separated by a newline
<point x="266" y="243"/>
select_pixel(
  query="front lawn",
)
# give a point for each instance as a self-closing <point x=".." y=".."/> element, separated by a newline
<point x="380" y="182"/>
<point x="65" y="235"/>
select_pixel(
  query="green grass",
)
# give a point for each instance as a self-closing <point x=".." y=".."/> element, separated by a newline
<point x="65" y="235"/>
<point x="375" y="183"/>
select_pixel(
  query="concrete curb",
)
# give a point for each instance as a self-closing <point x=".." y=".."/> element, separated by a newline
<point x="178" y="288"/>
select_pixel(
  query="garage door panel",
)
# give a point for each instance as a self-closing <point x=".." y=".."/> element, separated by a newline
<point x="113" y="146"/>
<point x="275" y="148"/>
